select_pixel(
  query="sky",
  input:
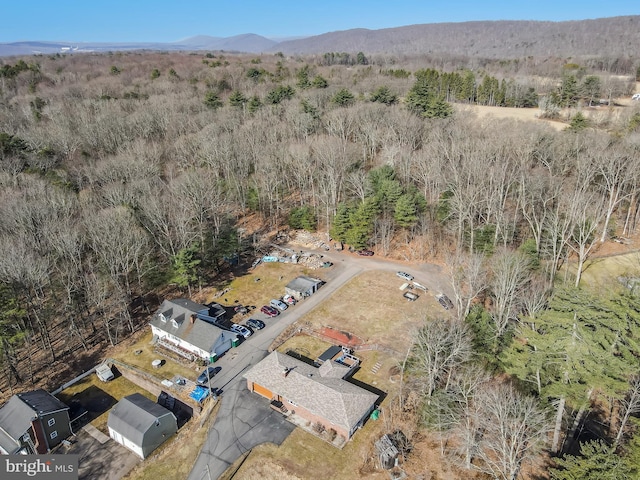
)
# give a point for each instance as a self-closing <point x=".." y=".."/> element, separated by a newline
<point x="173" y="20"/>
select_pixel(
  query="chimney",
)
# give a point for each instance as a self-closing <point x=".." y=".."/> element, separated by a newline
<point x="285" y="372"/>
<point x="193" y="318"/>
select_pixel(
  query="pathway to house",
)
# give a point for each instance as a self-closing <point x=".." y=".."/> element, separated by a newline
<point x="246" y="420"/>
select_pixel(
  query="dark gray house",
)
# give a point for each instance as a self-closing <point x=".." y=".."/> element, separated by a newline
<point x="140" y="424"/>
<point x="33" y="423"/>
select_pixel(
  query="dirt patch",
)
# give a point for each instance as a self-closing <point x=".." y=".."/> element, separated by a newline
<point x="340" y="337"/>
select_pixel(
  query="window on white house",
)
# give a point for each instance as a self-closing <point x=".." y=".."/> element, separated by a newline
<point x="51" y="422"/>
<point x="53" y="434"/>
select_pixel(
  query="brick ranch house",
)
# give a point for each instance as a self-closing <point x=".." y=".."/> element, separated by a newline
<point x="319" y="395"/>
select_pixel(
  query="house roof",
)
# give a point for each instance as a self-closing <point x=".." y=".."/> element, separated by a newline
<point x="8" y="444"/>
<point x="302" y="284"/>
<point x="134" y="415"/>
<point x="329" y="353"/>
<point x="16" y="415"/>
<point x="178" y="314"/>
<point x="334" y="399"/>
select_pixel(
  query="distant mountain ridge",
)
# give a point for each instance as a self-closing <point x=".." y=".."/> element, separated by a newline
<point x="613" y="36"/>
<point x="249" y="43"/>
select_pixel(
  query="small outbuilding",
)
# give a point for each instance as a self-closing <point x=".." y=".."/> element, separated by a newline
<point x="140" y="424"/>
<point x="302" y="287"/>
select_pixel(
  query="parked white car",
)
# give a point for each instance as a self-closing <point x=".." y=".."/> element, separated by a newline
<point x="278" y="304"/>
<point x="241" y="330"/>
<point x="636" y="96"/>
<point x="289" y="300"/>
<point x="405" y="276"/>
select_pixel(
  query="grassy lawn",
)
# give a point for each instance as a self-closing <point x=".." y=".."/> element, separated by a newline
<point x="372" y="307"/>
<point x="304" y="456"/>
<point x="388" y="320"/>
<point x="603" y="272"/>
<point x="98" y="397"/>
<point x="257" y="288"/>
<point x="141" y="354"/>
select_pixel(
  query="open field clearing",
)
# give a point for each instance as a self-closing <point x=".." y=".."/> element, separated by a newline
<point x="372" y="307"/>
<point x="524" y="114"/>
<point x="603" y="272"/>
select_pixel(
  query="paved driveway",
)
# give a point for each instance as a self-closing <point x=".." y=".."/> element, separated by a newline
<point x="100" y="461"/>
<point x="244" y="421"/>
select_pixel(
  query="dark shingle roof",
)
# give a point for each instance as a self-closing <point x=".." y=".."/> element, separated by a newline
<point x="16" y="415"/>
<point x="335" y="399"/>
<point x="199" y="333"/>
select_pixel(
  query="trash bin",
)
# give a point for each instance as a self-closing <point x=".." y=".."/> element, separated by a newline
<point x="235" y="342"/>
<point x="213" y="358"/>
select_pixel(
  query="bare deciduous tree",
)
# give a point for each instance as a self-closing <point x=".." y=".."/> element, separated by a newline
<point x="630" y="405"/>
<point x="468" y="278"/>
<point x="509" y="274"/>
<point x="513" y="431"/>
<point x="440" y="346"/>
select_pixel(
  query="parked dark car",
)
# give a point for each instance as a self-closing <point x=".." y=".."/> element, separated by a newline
<point x="445" y="301"/>
<point x="255" y="323"/>
<point x="207" y="374"/>
<point x="269" y="311"/>
<point x="365" y="253"/>
<point x="241" y="309"/>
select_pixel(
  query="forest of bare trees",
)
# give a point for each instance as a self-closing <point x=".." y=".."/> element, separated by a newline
<point x="123" y="173"/>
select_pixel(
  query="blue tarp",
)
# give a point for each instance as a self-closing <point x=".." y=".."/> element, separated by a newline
<point x="269" y="259"/>
<point x="199" y="393"/>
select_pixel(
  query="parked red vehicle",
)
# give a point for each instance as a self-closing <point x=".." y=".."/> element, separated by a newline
<point x="365" y="253"/>
<point x="269" y="311"/>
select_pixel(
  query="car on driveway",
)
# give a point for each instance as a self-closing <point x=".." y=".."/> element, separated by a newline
<point x="255" y="323"/>
<point x="241" y="309"/>
<point x="365" y="253"/>
<point x="405" y="276"/>
<point x="444" y="301"/>
<point x="241" y="330"/>
<point x="280" y="305"/>
<point x="269" y="311"/>
<point x="207" y="375"/>
<point x="289" y="300"/>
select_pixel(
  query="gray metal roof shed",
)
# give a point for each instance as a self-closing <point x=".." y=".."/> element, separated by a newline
<point x="143" y="422"/>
